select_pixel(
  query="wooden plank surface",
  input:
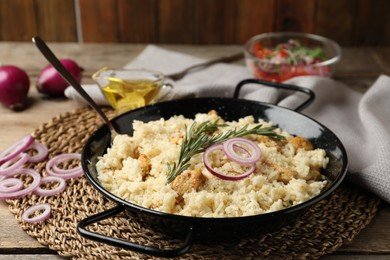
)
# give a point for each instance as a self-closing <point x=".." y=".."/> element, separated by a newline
<point x="253" y="17"/>
<point x="174" y="21"/>
<point x="99" y="20"/>
<point x="332" y="23"/>
<point x="214" y="21"/>
<point x="295" y="15"/>
<point x="31" y="257"/>
<point x="56" y="20"/>
<point x="379" y="228"/>
<point x="350" y="22"/>
<point x="358" y="66"/>
<point x="369" y="27"/>
<point x="17" y="20"/>
<point x="136" y="21"/>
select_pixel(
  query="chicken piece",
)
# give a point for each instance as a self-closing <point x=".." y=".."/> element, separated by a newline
<point x="176" y="138"/>
<point x="213" y="113"/>
<point x="284" y="174"/>
<point x="214" y="116"/>
<point x="136" y="152"/>
<point x="314" y="174"/>
<point x="186" y="182"/>
<point x="301" y="143"/>
<point x="270" y="142"/>
<point x="145" y="164"/>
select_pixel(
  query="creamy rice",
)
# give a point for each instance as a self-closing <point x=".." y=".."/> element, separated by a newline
<point x="135" y="169"/>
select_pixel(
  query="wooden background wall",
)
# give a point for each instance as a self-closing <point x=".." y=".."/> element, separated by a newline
<point x="349" y="22"/>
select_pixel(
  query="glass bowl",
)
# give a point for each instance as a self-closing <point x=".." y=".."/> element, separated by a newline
<point x="282" y="55"/>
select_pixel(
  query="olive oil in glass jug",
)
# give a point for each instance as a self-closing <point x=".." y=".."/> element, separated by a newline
<point x="128" y="89"/>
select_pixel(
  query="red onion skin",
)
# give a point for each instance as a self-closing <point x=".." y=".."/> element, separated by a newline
<point x="14" y="86"/>
<point x="50" y="82"/>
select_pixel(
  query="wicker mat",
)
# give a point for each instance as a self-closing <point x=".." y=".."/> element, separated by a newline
<point x="323" y="229"/>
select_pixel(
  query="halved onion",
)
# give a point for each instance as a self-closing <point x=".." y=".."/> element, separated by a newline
<point x="252" y="150"/>
<point x="53" y="170"/>
<point x="26" y="216"/>
<point x="44" y="192"/>
<point x="23" y="192"/>
<point x="220" y="174"/>
<point x="15" y="149"/>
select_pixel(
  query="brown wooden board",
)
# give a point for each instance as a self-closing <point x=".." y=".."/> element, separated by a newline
<point x="136" y="21"/>
<point x="253" y="17"/>
<point x="56" y="20"/>
<point x="99" y="20"/>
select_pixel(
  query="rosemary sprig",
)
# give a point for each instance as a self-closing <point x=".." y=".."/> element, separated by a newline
<point x="201" y="137"/>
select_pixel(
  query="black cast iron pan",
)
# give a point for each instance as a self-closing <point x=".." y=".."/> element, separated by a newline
<point x="197" y="228"/>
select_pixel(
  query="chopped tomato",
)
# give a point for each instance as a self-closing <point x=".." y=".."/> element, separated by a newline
<point x="288" y="60"/>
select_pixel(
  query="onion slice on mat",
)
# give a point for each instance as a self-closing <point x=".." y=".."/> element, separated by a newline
<point x="26" y="216"/>
<point x="220" y="174"/>
<point x="15" y="149"/>
<point x="53" y="170"/>
<point x="14" y="163"/>
<point x="23" y="192"/>
<point x="42" y="152"/>
<point x="10" y="185"/>
<point x="44" y="192"/>
<point x="252" y="154"/>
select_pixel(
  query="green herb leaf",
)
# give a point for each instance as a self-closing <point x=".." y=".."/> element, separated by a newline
<point x="199" y="138"/>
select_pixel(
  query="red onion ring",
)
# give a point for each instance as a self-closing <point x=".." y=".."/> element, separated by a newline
<point x="20" y="193"/>
<point x="10" y="185"/>
<point x="60" y="188"/>
<point x="41" y="217"/>
<point x="56" y="169"/>
<point x="15" y="149"/>
<point x="53" y="170"/>
<point x="11" y="166"/>
<point x="42" y="152"/>
<point x="230" y="147"/>
<point x="220" y="174"/>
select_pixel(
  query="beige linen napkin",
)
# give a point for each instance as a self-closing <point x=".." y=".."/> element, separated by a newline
<point x="360" y="121"/>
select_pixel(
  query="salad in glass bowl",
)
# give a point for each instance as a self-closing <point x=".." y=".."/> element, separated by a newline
<point x="280" y="56"/>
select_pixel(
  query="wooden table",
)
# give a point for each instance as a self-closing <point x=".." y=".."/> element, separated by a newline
<point x="359" y="68"/>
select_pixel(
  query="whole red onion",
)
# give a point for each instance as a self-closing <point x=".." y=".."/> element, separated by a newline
<point x="50" y="82"/>
<point x="14" y="86"/>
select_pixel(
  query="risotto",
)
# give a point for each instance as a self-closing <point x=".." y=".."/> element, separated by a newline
<point x="135" y="169"/>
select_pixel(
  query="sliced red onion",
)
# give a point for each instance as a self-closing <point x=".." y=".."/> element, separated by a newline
<point x="53" y="170"/>
<point x="10" y="185"/>
<point x="56" y="169"/>
<point x="220" y="174"/>
<point x="11" y="165"/>
<point x="230" y="148"/>
<point x="20" y="193"/>
<point x="42" y="152"/>
<point x="26" y="216"/>
<point x="15" y="149"/>
<point x="44" y="192"/>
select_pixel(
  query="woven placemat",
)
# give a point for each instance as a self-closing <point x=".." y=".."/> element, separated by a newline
<point x="321" y="230"/>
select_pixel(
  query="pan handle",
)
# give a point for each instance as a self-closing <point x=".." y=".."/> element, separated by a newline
<point x="81" y="228"/>
<point x="309" y="92"/>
